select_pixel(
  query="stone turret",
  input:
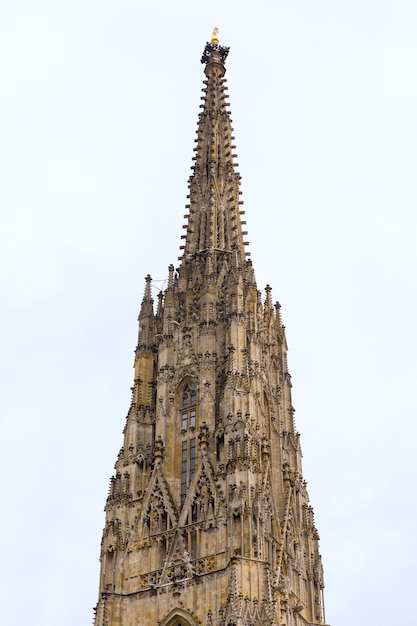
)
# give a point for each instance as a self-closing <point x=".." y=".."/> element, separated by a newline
<point x="208" y="519"/>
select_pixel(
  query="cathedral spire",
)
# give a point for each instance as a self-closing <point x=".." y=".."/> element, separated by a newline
<point x="208" y="517"/>
<point x="214" y="222"/>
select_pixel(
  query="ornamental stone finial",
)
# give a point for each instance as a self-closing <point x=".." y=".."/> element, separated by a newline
<point x="213" y="50"/>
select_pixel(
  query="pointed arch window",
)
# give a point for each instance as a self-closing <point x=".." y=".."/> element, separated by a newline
<point x="178" y="617"/>
<point x="189" y="407"/>
<point x="188" y="426"/>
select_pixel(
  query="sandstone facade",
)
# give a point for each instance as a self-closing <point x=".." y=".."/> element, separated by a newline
<point x="208" y="519"/>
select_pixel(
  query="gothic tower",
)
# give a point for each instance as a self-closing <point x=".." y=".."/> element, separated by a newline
<point x="208" y="520"/>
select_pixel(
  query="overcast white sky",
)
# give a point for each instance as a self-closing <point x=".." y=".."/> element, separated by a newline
<point x="97" y="121"/>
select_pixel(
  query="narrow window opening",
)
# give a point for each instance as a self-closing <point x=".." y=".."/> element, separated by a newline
<point x="188" y="445"/>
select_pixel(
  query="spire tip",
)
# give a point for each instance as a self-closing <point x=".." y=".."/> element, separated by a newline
<point x="213" y="49"/>
<point x="215" y="35"/>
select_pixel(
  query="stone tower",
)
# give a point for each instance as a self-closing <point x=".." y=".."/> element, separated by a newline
<point x="208" y="520"/>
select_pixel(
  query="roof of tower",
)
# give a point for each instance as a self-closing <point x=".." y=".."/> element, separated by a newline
<point x="214" y="222"/>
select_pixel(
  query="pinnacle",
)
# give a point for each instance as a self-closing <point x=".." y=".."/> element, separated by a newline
<point x="147" y="294"/>
<point x="146" y="318"/>
<point x="146" y="309"/>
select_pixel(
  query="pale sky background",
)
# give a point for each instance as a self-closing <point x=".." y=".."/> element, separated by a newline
<point x="98" y="112"/>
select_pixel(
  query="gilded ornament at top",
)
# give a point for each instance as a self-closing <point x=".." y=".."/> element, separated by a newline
<point x="214" y="37"/>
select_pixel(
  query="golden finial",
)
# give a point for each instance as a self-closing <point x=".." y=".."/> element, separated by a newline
<point x="214" y="37"/>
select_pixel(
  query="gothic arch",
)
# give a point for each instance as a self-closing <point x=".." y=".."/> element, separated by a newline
<point x="178" y="617"/>
<point x="187" y="392"/>
<point x="185" y="374"/>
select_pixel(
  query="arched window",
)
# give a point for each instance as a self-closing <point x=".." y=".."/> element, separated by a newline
<point x="189" y="406"/>
<point x="188" y="426"/>
<point x="178" y="617"/>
